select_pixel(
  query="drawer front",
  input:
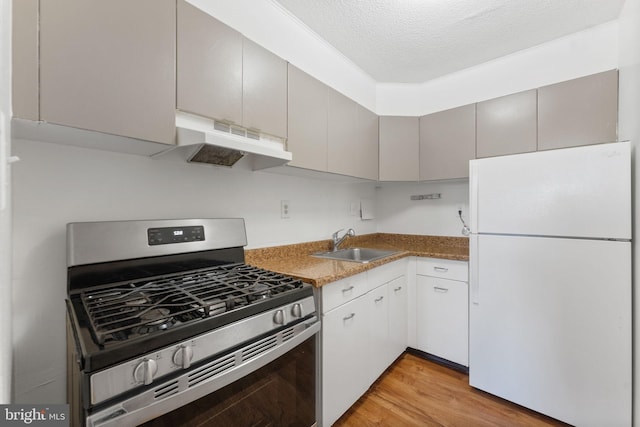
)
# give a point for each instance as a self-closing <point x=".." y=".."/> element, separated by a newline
<point x="342" y="291"/>
<point x="444" y="268"/>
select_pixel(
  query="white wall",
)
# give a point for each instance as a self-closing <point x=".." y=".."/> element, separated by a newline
<point x="5" y="214"/>
<point x="56" y="184"/>
<point x="580" y="54"/>
<point x="439" y="217"/>
<point x="629" y="128"/>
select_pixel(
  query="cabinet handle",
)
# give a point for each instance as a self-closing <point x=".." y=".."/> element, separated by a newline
<point x="350" y="288"/>
<point x="378" y="299"/>
<point x="439" y="289"/>
<point x="397" y="289"/>
<point x="441" y="269"/>
<point x="349" y="317"/>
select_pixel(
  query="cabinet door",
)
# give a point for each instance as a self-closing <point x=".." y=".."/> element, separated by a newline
<point x="109" y="66"/>
<point x="345" y="351"/>
<point x="443" y="318"/>
<point x="578" y="112"/>
<point x="307" y="121"/>
<point x="379" y="355"/>
<point x="366" y="156"/>
<point x="507" y="125"/>
<point x="399" y="148"/>
<point x="209" y="66"/>
<point x="264" y="90"/>
<point x="352" y="138"/>
<point x="447" y="143"/>
<point x="24" y="76"/>
<point x="398" y="320"/>
<point x="342" y="146"/>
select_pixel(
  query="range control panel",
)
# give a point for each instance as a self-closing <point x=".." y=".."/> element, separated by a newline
<point x="167" y="235"/>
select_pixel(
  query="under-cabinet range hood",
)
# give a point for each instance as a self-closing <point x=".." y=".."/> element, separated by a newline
<point x="212" y="142"/>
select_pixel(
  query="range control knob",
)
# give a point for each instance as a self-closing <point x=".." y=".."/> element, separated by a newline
<point x="144" y="372"/>
<point x="278" y="317"/>
<point x="296" y="310"/>
<point x="183" y="356"/>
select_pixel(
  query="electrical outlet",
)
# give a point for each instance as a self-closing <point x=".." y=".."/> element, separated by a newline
<point x="285" y="209"/>
<point x="459" y="209"/>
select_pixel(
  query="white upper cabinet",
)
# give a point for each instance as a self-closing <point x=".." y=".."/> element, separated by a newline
<point x="365" y="152"/>
<point x="507" y="125"/>
<point x="224" y="76"/>
<point x="24" y="76"/>
<point x="307" y="121"/>
<point x="342" y="133"/>
<point x="447" y="143"/>
<point x="109" y="71"/>
<point x="264" y="90"/>
<point x="399" y="154"/>
<point x="352" y="138"/>
<point x="329" y="132"/>
<point x="209" y="66"/>
<point x="578" y="112"/>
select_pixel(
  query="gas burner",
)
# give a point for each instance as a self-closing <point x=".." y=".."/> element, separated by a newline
<point x="259" y="291"/>
<point x="155" y="316"/>
<point x="137" y="299"/>
<point x="156" y="319"/>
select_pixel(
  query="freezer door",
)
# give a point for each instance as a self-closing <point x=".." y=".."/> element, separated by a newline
<point x="580" y="192"/>
<point x="550" y="326"/>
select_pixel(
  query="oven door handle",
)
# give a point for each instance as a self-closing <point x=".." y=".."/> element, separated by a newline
<point x="147" y="405"/>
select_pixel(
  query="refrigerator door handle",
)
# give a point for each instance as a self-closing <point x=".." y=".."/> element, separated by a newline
<point x="473" y="269"/>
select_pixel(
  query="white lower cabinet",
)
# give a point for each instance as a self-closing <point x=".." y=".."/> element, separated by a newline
<point x="377" y="359"/>
<point x="345" y="376"/>
<point x="442" y="309"/>
<point x="362" y="335"/>
<point x="398" y="319"/>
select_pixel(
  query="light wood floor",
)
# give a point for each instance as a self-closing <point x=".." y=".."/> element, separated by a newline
<point x="418" y="392"/>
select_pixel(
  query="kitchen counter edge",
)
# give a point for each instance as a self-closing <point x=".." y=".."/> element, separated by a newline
<point x="296" y="260"/>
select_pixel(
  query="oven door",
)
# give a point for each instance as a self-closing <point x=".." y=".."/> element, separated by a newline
<point x="276" y="386"/>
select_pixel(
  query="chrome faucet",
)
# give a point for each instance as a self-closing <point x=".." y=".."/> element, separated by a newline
<point x="338" y="241"/>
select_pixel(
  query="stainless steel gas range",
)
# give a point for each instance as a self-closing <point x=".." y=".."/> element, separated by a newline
<point x="168" y="326"/>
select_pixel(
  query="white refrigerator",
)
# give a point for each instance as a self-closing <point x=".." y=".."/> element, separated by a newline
<point x="550" y="282"/>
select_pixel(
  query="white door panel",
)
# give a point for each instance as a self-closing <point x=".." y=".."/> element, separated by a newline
<point x="579" y="192"/>
<point x="550" y="326"/>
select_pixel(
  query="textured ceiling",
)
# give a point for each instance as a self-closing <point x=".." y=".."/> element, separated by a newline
<point x="411" y="41"/>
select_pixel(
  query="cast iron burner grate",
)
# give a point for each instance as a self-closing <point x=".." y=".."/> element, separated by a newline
<point x="128" y="309"/>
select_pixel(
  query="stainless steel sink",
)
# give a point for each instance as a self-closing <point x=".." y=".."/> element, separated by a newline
<point x="361" y="255"/>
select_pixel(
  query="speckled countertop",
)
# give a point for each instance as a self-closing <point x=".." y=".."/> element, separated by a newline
<point x="296" y="260"/>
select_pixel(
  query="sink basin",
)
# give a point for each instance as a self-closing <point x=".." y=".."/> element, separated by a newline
<point x="361" y="255"/>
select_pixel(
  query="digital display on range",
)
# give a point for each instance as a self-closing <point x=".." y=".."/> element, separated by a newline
<point x="168" y="235"/>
